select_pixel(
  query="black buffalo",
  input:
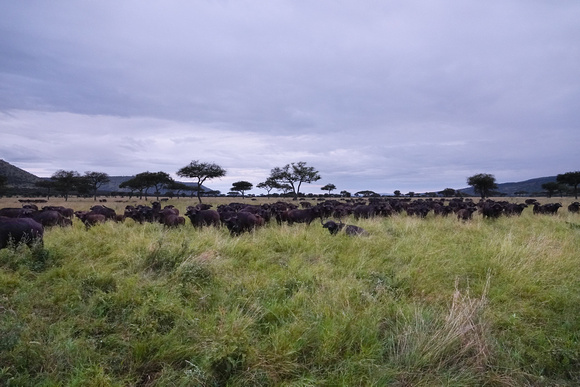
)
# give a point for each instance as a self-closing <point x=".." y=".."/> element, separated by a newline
<point x="302" y="216"/>
<point x="20" y="230"/>
<point x="243" y="222"/>
<point x="200" y="218"/>
<point x="349" y="229"/>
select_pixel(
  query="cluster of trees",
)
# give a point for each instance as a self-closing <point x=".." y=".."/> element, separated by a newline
<point x="563" y="182"/>
<point x="287" y="179"/>
<point x="484" y="184"/>
<point x="66" y="182"/>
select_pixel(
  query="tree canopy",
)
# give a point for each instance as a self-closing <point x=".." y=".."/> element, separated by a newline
<point x="482" y="183"/>
<point x="268" y="185"/>
<point x="328" y="187"/>
<point x="95" y="180"/>
<point x="570" y="178"/>
<point x="551" y="187"/>
<point x="201" y="172"/>
<point x="242" y="186"/>
<point x="294" y="175"/>
<point x="65" y="181"/>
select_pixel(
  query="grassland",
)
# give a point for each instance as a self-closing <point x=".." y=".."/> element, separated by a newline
<point x="420" y="302"/>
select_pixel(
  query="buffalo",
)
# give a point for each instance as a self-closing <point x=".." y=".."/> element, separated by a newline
<point x="243" y="222"/>
<point x="302" y="216"/>
<point x="349" y="229"/>
<point x="200" y="218"/>
<point x="20" y="230"/>
<point x="465" y="213"/>
<point x="90" y="218"/>
<point x="49" y="218"/>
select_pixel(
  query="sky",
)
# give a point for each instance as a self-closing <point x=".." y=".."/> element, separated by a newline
<point x="375" y="95"/>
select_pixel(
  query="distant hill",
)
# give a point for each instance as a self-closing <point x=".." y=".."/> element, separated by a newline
<point x="532" y="186"/>
<point x="20" y="179"/>
<point x="17" y="177"/>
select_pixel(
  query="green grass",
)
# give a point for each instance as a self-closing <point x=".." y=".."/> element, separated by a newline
<point x="420" y="302"/>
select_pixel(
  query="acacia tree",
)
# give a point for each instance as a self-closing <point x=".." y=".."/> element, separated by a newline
<point x="201" y="172"/>
<point x="570" y="178"/>
<point x="328" y="187"/>
<point x="157" y="180"/>
<point x="95" y="180"/>
<point x="65" y="181"/>
<point x="135" y="184"/>
<point x="242" y="186"/>
<point x="46" y="184"/>
<point x="550" y="188"/>
<point x="448" y="192"/>
<point x="294" y="175"/>
<point x="268" y="185"/>
<point x="482" y="183"/>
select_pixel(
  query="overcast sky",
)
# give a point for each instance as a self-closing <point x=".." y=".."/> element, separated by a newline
<point x="376" y="95"/>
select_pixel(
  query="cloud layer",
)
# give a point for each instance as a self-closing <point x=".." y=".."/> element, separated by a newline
<point x="412" y="96"/>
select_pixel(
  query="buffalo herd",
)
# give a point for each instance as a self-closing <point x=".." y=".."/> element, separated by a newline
<point x="27" y="224"/>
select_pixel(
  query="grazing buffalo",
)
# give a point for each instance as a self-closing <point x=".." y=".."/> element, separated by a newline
<point x="349" y="229"/>
<point x="64" y="211"/>
<point x="200" y="218"/>
<point x="104" y="210"/>
<point x="15" y="212"/>
<point x="465" y="213"/>
<point x="172" y="220"/>
<point x="243" y="222"/>
<point x="302" y="216"/>
<point x="49" y="218"/>
<point x="20" y="230"/>
<point x="90" y="218"/>
<point x="574" y="207"/>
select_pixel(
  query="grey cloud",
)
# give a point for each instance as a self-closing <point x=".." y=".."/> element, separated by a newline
<point x="413" y="92"/>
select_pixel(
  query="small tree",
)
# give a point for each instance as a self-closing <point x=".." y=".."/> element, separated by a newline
<point x="397" y="193"/>
<point x="570" y="178"/>
<point x="157" y="180"/>
<point x="345" y="194"/>
<point x="328" y="187"/>
<point x="448" y="192"/>
<point x="135" y="184"/>
<point x="482" y="183"/>
<point x="294" y="175"/>
<point x="241" y="186"/>
<point x="366" y="193"/>
<point x="95" y="180"/>
<point x="65" y="181"/>
<point x="46" y="184"/>
<point x="201" y="172"/>
<point x="550" y="188"/>
<point x="268" y="185"/>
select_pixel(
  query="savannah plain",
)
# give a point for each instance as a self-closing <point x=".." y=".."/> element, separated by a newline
<point x="419" y="302"/>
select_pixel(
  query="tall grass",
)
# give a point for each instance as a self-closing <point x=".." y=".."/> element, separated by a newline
<point x="420" y="302"/>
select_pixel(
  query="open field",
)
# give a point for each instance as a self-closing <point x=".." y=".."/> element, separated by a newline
<point x="420" y="302"/>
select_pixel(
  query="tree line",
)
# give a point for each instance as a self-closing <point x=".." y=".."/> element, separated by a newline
<point x="287" y="179"/>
